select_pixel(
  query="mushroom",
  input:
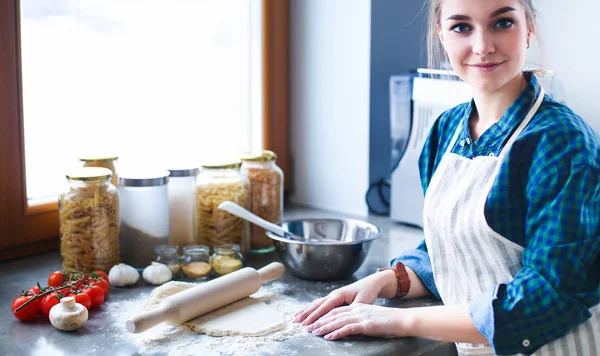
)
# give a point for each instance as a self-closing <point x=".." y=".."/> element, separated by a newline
<point x="68" y="315"/>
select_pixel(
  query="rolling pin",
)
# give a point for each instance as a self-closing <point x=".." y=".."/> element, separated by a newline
<point x="206" y="297"/>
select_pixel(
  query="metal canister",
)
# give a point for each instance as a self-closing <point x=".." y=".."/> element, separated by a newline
<point x="144" y="215"/>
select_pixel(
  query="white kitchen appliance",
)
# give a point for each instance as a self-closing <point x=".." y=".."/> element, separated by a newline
<point x="433" y="92"/>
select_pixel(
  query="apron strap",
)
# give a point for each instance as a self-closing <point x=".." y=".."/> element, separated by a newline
<point x="524" y="123"/>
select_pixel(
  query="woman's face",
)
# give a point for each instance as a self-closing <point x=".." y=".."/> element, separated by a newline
<point x="486" y="40"/>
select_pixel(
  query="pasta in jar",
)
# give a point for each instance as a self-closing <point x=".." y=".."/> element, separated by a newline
<point x="216" y="184"/>
<point x="89" y="221"/>
<point x="266" y="196"/>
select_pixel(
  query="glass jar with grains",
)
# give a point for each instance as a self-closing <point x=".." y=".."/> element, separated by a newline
<point x="102" y="161"/>
<point x="168" y="255"/>
<point x="196" y="262"/>
<point x="266" y="196"/>
<point x="215" y="184"/>
<point x="89" y="221"/>
<point x="226" y="259"/>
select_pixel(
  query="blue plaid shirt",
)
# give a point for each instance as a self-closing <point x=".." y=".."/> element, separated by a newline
<point x="545" y="198"/>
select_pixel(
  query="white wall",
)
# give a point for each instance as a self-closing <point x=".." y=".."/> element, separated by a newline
<point x="570" y="36"/>
<point x="329" y="110"/>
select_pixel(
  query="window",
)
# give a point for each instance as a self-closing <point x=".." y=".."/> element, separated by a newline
<point x="29" y="226"/>
<point x="158" y="84"/>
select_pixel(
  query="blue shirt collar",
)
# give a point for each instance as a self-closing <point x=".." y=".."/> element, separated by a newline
<point x="513" y="115"/>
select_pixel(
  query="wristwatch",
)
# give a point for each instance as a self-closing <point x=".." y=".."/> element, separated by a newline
<point x="402" y="277"/>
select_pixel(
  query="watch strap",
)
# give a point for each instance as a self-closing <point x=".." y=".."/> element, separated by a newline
<point x="402" y="278"/>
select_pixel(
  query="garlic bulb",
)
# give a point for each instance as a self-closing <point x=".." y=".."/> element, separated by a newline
<point x="68" y="315"/>
<point x="122" y="275"/>
<point x="157" y="273"/>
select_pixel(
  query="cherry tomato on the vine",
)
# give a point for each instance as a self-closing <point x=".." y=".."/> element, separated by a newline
<point x="28" y="312"/>
<point x="83" y="299"/>
<point x="49" y="301"/>
<point x="104" y="285"/>
<point x="56" y="279"/>
<point x="96" y="294"/>
<point x="35" y="290"/>
<point x="102" y="274"/>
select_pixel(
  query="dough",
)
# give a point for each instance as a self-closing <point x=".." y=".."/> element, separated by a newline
<point x="165" y="290"/>
<point x="246" y="317"/>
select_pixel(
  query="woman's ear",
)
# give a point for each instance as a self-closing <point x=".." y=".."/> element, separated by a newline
<point x="439" y="33"/>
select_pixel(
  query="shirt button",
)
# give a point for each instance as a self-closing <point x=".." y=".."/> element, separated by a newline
<point x="526" y="343"/>
<point x="468" y="141"/>
<point x="462" y="143"/>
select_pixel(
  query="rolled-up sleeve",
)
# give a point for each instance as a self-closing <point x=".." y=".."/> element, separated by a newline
<point x="418" y="260"/>
<point x="558" y="282"/>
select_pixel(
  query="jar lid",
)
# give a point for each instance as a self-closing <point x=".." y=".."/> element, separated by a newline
<point x="166" y="249"/>
<point x="183" y="172"/>
<point x="89" y="174"/>
<point x="223" y="165"/>
<point x="149" y="178"/>
<point x="227" y="248"/>
<point x="196" y="249"/>
<point x="97" y="158"/>
<point x="265" y="157"/>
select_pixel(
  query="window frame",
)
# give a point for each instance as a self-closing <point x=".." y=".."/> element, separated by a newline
<point x="30" y="226"/>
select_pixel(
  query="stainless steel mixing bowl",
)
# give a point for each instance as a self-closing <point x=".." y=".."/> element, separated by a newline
<point x="337" y="258"/>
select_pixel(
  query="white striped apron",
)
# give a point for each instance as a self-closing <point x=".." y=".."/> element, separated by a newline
<point x="468" y="257"/>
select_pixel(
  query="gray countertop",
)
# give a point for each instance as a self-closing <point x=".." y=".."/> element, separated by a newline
<point x="102" y="334"/>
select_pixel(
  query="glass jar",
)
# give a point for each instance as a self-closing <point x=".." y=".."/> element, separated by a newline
<point x="214" y="185"/>
<point x="266" y="196"/>
<point x="144" y="215"/>
<point x="226" y="259"/>
<point x="182" y="183"/>
<point x="168" y="255"/>
<point x="104" y="162"/>
<point x="89" y="221"/>
<point x="196" y="262"/>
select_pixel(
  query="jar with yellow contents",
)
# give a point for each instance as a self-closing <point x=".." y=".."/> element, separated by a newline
<point x="215" y="184"/>
<point x="226" y="259"/>
<point x="89" y="221"/>
<point x="102" y="161"/>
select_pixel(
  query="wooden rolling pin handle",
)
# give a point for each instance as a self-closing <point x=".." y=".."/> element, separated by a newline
<point x="145" y="321"/>
<point x="270" y="272"/>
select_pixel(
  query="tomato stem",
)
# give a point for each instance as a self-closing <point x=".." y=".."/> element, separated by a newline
<point x="49" y="290"/>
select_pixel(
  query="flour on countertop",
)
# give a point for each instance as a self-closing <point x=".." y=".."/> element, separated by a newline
<point x="165" y="339"/>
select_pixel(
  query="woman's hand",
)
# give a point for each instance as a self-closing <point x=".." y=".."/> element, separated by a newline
<point x="362" y="319"/>
<point x="363" y="291"/>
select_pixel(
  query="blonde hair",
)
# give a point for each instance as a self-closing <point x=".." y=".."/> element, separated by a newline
<point x="436" y="55"/>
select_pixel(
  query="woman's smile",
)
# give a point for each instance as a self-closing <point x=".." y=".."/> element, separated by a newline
<point x="486" y="67"/>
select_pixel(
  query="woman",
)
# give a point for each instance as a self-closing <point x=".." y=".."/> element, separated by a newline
<point x="512" y="209"/>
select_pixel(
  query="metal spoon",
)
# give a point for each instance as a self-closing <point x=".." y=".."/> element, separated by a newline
<point x="237" y="210"/>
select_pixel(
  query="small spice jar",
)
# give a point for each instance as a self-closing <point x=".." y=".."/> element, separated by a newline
<point x="226" y="259"/>
<point x="104" y="162"/>
<point x="215" y="184"/>
<point x="196" y="262"/>
<point x="266" y="196"/>
<point x="182" y="184"/>
<point x="168" y="255"/>
<point x="89" y="221"/>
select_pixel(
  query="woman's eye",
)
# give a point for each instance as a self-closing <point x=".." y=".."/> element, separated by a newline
<point x="504" y="23"/>
<point x="461" y="27"/>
